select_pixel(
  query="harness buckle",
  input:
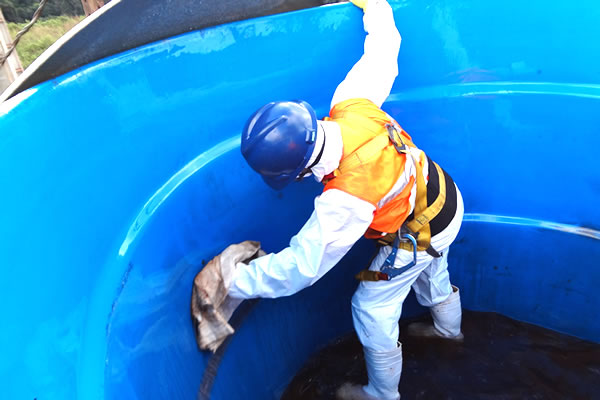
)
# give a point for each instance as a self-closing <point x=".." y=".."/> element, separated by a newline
<point x="388" y="265"/>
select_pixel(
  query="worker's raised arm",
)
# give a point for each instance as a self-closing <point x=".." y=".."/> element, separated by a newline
<point x="373" y="75"/>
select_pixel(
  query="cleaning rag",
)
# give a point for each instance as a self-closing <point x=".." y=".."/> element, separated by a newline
<point x="211" y="307"/>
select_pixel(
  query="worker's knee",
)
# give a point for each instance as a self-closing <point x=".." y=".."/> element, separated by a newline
<point x="376" y="325"/>
<point x="432" y="292"/>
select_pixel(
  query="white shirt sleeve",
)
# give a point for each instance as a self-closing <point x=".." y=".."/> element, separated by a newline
<point x="338" y="221"/>
<point x="373" y="75"/>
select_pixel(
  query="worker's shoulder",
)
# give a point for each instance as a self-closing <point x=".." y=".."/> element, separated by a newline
<point x="355" y="106"/>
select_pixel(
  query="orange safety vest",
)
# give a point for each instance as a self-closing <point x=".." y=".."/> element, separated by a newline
<point x="373" y="158"/>
<point x="361" y="121"/>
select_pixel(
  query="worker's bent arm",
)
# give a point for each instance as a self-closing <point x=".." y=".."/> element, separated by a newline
<point x="373" y="75"/>
<point x="337" y="222"/>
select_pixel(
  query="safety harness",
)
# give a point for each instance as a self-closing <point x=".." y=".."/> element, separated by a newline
<point x="415" y="234"/>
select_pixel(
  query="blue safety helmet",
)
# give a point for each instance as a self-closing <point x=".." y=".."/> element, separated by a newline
<point x="278" y="141"/>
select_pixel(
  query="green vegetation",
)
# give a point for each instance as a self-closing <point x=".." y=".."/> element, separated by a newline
<point x="45" y="32"/>
<point x="22" y="10"/>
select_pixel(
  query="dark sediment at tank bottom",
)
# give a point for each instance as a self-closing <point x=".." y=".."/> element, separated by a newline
<point x="500" y="358"/>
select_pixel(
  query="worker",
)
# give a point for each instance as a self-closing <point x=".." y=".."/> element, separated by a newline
<point x="377" y="184"/>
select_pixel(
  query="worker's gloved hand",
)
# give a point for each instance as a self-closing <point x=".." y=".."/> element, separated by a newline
<point x="211" y="307"/>
<point x="360" y="3"/>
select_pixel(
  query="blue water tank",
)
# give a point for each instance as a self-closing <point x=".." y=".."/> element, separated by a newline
<point x="121" y="178"/>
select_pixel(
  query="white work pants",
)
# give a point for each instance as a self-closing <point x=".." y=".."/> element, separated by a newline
<point x="377" y="306"/>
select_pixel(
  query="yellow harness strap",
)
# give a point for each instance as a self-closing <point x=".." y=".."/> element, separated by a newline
<point x="365" y="153"/>
<point x="424" y="214"/>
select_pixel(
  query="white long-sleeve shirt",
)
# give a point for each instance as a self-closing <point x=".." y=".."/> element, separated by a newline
<point x="339" y="219"/>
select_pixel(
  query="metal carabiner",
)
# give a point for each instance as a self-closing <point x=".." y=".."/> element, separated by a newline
<point x="394" y="134"/>
<point x="388" y="265"/>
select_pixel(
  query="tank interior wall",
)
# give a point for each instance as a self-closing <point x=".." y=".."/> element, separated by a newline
<point x="122" y="178"/>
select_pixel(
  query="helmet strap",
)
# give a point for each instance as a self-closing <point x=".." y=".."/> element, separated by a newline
<point x="307" y="169"/>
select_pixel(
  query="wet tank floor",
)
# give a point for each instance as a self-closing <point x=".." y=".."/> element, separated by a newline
<point x="500" y="358"/>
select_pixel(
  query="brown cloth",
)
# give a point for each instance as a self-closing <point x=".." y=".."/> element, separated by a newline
<point x="211" y="307"/>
